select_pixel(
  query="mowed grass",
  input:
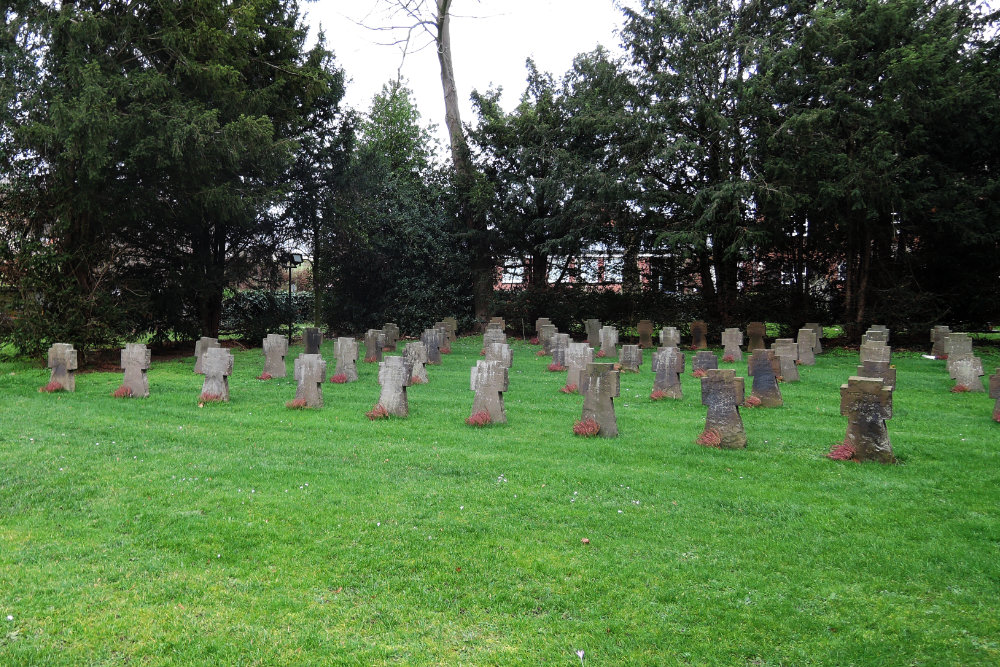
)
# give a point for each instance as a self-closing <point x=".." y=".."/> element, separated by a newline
<point x="157" y="531"/>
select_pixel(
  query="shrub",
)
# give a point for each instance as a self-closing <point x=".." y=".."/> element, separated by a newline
<point x="587" y="428"/>
<point x="51" y="387"/>
<point x="569" y="389"/>
<point x="478" y="419"/>
<point x="265" y="376"/>
<point x="556" y="367"/>
<point x="378" y="412"/>
<point x="122" y="392"/>
<point x="296" y="404"/>
<point x="658" y="395"/>
<point x="845" y="451"/>
<point x="710" y="437"/>
<point x="339" y="378"/>
<point x="252" y="314"/>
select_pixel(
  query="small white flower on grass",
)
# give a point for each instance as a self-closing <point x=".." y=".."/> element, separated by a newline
<point x="461" y="507"/>
<point x="579" y="654"/>
<point x="218" y="555"/>
<point x="620" y="512"/>
<point x="10" y="617"/>
<point x="378" y="524"/>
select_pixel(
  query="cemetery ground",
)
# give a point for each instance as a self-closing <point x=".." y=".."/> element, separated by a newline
<point x="157" y="530"/>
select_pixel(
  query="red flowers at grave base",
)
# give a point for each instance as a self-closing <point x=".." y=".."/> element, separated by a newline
<point x="710" y="437"/>
<point x="371" y="359"/>
<point x="587" y="428"/>
<point x="601" y="354"/>
<point x="540" y="353"/>
<point x="569" y="389"/>
<point x="996" y="416"/>
<point x="210" y="398"/>
<point x="751" y="401"/>
<point x="122" y="392"/>
<point x="658" y="395"/>
<point x="265" y="376"/>
<point x="51" y="387"/>
<point x="446" y="349"/>
<point x="700" y="373"/>
<point x="941" y="357"/>
<point x="378" y="412"/>
<point x="960" y="389"/>
<point x="479" y="419"/>
<point x="555" y="367"/>
<point x="728" y="359"/>
<point x="845" y="451"/>
<point x="416" y="380"/>
<point x="482" y="352"/>
<point x="339" y="378"/>
<point x="534" y="341"/>
<point x="296" y="404"/>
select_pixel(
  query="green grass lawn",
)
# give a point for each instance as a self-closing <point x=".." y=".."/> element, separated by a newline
<point x="157" y="531"/>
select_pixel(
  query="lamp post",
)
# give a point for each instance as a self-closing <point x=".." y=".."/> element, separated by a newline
<point x="291" y="259"/>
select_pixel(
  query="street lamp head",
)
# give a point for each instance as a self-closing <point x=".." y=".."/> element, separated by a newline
<point x="296" y="258"/>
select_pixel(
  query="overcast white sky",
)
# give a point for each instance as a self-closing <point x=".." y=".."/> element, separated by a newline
<point x="491" y="39"/>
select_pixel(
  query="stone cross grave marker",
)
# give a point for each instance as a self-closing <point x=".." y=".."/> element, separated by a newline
<point x="559" y="345"/>
<point x="577" y="358"/>
<point x="670" y="337"/>
<point x="818" y="330"/>
<point x="218" y="366"/>
<point x="756" y="332"/>
<point x="668" y="365"/>
<point x="593" y="329"/>
<point x="446" y="336"/>
<point x="489" y="380"/>
<point x="867" y="403"/>
<point x="995" y="393"/>
<point x="201" y="346"/>
<point x="877" y="335"/>
<point x="732" y="339"/>
<point x="763" y="366"/>
<point x="966" y="370"/>
<point x="136" y="359"/>
<point x="394" y="374"/>
<point x="807" y="346"/>
<point x="699" y="335"/>
<point x="374" y="342"/>
<point x="704" y="360"/>
<point x="451" y="324"/>
<point x="545" y="337"/>
<point x="722" y="393"/>
<point x="609" y="341"/>
<point x="939" y="336"/>
<point x="345" y="350"/>
<point x="391" y="331"/>
<point x="645" y="330"/>
<point x="956" y="345"/>
<point x="880" y="329"/>
<point x="500" y="353"/>
<point x="494" y="335"/>
<point x="431" y="338"/>
<point x="416" y="354"/>
<point x="875" y="351"/>
<point x="601" y="385"/>
<point x="310" y="373"/>
<point x="787" y="352"/>
<point x="882" y="370"/>
<point x="539" y="323"/>
<point x="312" y="339"/>
<point x="499" y="321"/>
<point x="630" y="358"/>
<point x="63" y="364"/>
<point x="275" y="349"/>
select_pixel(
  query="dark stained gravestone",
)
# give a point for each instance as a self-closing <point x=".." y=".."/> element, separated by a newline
<point x="489" y="381"/>
<point x="136" y="360"/>
<point x="217" y="364"/>
<point x="645" y="330"/>
<point x="807" y="345"/>
<point x="275" y="349"/>
<point x="763" y="366"/>
<point x="345" y="350"/>
<point x="722" y="393"/>
<point x="939" y="336"/>
<point x="500" y="353"/>
<point x="62" y="364"/>
<point x="451" y="324"/>
<point x="558" y="346"/>
<point x="882" y="370"/>
<point x="787" y="352"/>
<point x="630" y="358"/>
<point x="670" y="337"/>
<point x="201" y="346"/>
<point x="699" y="335"/>
<point x="609" y="341"/>
<point x="668" y="365"/>
<point x="601" y="385"/>
<point x="395" y="375"/>
<point x="704" y="361"/>
<point x="447" y="332"/>
<point x="593" y="329"/>
<point x="818" y="330"/>
<point x="732" y="339"/>
<point x="391" y="331"/>
<point x="310" y="373"/>
<point x="956" y="345"/>
<point x="312" y="339"/>
<point x="867" y="403"/>
<point x="965" y="370"/>
<point x="995" y="393"/>
<point x="577" y="358"/>
<point x="416" y="355"/>
<point x="374" y="342"/>
<point x="756" y="332"/>
<point x="431" y="338"/>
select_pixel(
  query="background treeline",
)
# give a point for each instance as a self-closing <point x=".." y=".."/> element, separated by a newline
<point x="790" y="161"/>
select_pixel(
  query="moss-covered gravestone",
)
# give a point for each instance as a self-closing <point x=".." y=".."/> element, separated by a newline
<point x="867" y="404"/>
<point x="722" y="393"/>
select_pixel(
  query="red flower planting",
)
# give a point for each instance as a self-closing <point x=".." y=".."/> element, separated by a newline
<point x="534" y="341"/>
<point x="339" y="378"/>
<point x="416" y="380"/>
<point x="388" y="349"/>
<point x="555" y="368"/>
<point x="569" y="389"/>
<point x="378" y="412"/>
<point x="845" y="451"/>
<point x="710" y="437"/>
<point x="478" y="419"/>
<point x="601" y="354"/>
<point x="265" y="376"/>
<point x="446" y="349"/>
<point x="960" y="389"/>
<point x="587" y="428"/>
<point x="482" y="352"/>
<point x="728" y="359"/>
<point x="700" y="373"/>
<point x="751" y="401"/>
<point x="51" y="387"/>
<point x="942" y="356"/>
<point x="371" y="359"/>
<point x="658" y="395"/>
<point x="540" y="353"/>
<point x="122" y="392"/>
<point x="996" y="416"/>
<point x="210" y="398"/>
<point x="296" y="404"/>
